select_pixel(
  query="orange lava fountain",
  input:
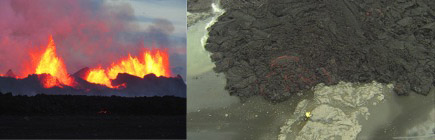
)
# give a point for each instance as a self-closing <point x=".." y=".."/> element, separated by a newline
<point x="52" y="71"/>
<point x="50" y="64"/>
<point x="154" y="61"/>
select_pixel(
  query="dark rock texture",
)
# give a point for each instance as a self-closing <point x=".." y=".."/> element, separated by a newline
<point x="198" y="10"/>
<point x="276" y="48"/>
<point x="199" y="5"/>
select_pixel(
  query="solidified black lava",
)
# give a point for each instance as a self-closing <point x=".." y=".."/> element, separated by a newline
<point x="276" y="48"/>
<point x="199" y="5"/>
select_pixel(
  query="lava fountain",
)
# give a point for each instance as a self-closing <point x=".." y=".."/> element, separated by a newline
<point x="151" y="61"/>
<point x="50" y="63"/>
<point x="147" y="74"/>
<point x="52" y="71"/>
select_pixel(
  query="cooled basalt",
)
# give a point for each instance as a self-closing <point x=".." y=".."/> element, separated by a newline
<point x="276" y="48"/>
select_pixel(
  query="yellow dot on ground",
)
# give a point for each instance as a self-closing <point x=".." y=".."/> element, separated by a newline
<point x="308" y="114"/>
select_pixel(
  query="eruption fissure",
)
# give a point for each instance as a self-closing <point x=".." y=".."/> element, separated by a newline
<point x="151" y="62"/>
<point x="52" y="71"/>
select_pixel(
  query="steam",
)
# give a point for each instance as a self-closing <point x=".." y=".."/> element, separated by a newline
<point x="87" y="33"/>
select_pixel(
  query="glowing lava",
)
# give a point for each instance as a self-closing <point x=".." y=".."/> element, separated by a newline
<point x="154" y="61"/>
<point x="50" y="64"/>
<point x="52" y="71"/>
<point x="99" y="76"/>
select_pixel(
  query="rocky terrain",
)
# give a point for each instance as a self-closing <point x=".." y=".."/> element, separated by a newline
<point x="129" y="85"/>
<point x="277" y="48"/>
<point x="198" y="10"/>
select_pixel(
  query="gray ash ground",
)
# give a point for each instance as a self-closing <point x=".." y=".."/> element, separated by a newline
<point x="276" y="48"/>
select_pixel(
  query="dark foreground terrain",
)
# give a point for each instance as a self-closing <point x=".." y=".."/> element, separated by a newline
<point x="65" y="116"/>
<point x="92" y="126"/>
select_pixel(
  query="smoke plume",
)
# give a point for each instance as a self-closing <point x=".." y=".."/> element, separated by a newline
<point x="88" y="33"/>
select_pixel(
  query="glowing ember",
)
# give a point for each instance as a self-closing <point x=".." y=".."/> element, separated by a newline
<point x="154" y="61"/>
<point x="49" y="63"/>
